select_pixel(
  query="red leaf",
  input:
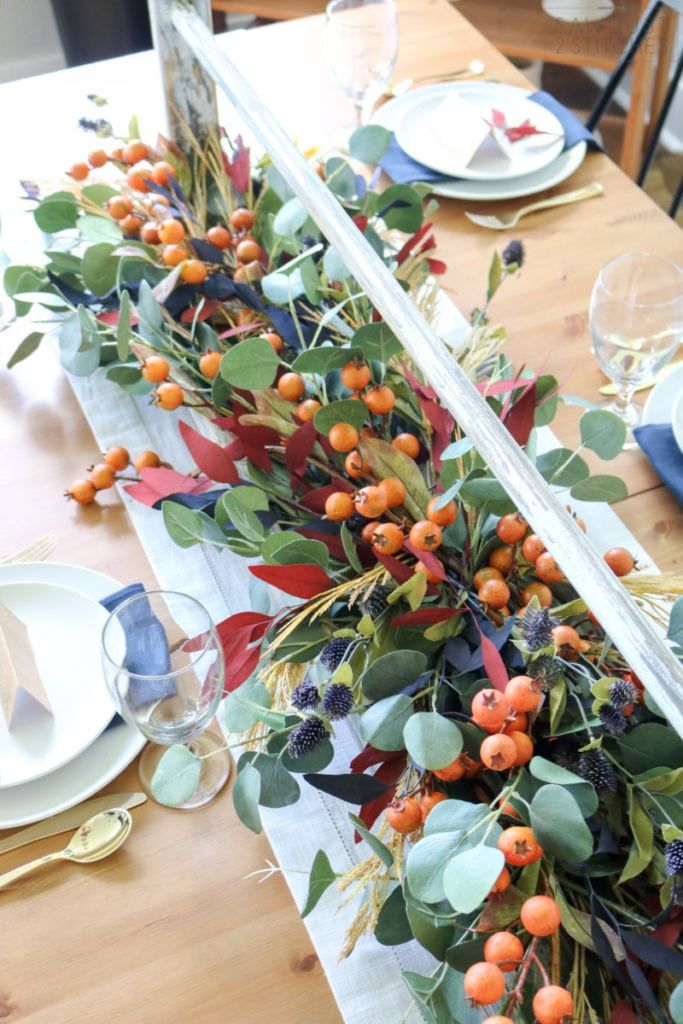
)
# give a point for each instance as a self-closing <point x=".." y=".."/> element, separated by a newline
<point x="414" y="245"/>
<point x="299" y="579"/>
<point x="494" y="664"/>
<point x="417" y="385"/>
<point x="498" y="118"/>
<point x="298" y="449"/>
<point x="437" y="266"/>
<point x="397" y="570"/>
<point x="426" y="617"/>
<point x="190" y="314"/>
<point x="248" y="626"/>
<point x="622" y="1014"/>
<point x="211" y="458"/>
<point x="360" y="220"/>
<point x="389" y="772"/>
<point x="159" y="482"/>
<point x="520" y="419"/>
<point x="241" y="668"/>
<point x="241" y="329"/>
<point x="521" y="131"/>
<point x="315" y="500"/>
<point x="111" y="317"/>
<point x="501" y="387"/>
<point x="239" y="169"/>
<point x="369" y="756"/>
<point x="428" y="559"/>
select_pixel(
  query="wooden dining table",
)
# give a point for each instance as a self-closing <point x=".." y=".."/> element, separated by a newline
<point x="168" y="929"/>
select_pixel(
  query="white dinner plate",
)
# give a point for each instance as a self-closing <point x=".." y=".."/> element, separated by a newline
<point x="105" y="758"/>
<point x="424" y="136"/>
<point x="389" y="116"/>
<point x="665" y="403"/>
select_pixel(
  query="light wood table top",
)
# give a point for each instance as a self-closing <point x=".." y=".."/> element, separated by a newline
<point x="168" y="929"/>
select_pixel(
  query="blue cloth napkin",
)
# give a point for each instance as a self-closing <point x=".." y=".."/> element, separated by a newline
<point x="403" y="170"/>
<point x="658" y="442"/>
<point x="146" y="648"/>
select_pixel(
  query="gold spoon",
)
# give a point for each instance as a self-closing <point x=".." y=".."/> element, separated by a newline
<point x="94" y="840"/>
<point x="473" y="70"/>
<point x="510" y="220"/>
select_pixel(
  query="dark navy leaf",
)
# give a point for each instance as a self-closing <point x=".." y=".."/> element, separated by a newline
<point x="354" y="789"/>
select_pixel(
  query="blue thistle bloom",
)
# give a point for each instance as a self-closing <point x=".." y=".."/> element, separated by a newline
<point x="612" y="720"/>
<point x="338" y="701"/>
<point x="622" y="693"/>
<point x="305" y="697"/>
<point x="537" y="627"/>
<point x="306" y="737"/>
<point x="333" y="653"/>
<point x="513" y="253"/>
<point x="673" y="857"/>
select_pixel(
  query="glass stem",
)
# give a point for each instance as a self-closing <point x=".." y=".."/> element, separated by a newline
<point x="623" y="398"/>
<point x="360" y="110"/>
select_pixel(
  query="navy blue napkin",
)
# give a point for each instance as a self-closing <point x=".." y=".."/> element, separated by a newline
<point x="403" y="170"/>
<point x="658" y="442"/>
<point x="146" y="648"/>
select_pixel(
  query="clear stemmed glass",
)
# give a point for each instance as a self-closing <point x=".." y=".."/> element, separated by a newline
<point x="636" y="322"/>
<point x="362" y="42"/>
<point x="169" y="681"/>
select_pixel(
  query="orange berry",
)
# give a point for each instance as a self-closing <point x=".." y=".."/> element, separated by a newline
<point x="505" y="950"/>
<point x="517" y="721"/>
<point x="430" y="800"/>
<point x="248" y="250"/>
<point x="388" y="538"/>
<point x="408" y="444"/>
<point x="354" y="466"/>
<point x="489" y="572"/>
<point x="172" y="255"/>
<point x="134" y="151"/>
<point x="307" y="409"/>
<point x="498" y="1019"/>
<point x="210" y="363"/>
<point x="82" y="491"/>
<point x="501" y="559"/>
<point x="532" y="547"/>
<point x="404" y="815"/>
<point x="370" y="502"/>
<point x="355" y="376"/>
<point x="146" y="460"/>
<point x="102" y="476"/>
<point x="116" y="153"/>
<point x="155" y="369"/>
<point x="425" y="535"/>
<point x="138" y="178"/>
<point x="119" y="207"/>
<point x="620" y="561"/>
<point x="472" y="767"/>
<point x="194" y="272"/>
<point x="219" y="236"/>
<point x="274" y="340"/>
<point x="498" y="752"/>
<point x="368" y="532"/>
<point x="291" y="386"/>
<point x="511" y="528"/>
<point x="451" y="773"/>
<point x="547" y="569"/>
<point x="510" y="810"/>
<point x="161" y="172"/>
<point x="442" y="516"/>
<point x="118" y="458"/>
<point x="97" y="158"/>
<point x="380" y="399"/>
<point x="246" y="273"/>
<point x="553" y="1005"/>
<point x="490" y="709"/>
<point x="169" y="395"/>
<point x="131" y="224"/>
<point x="523" y="693"/>
<point x="494" y="593"/>
<point x="339" y="506"/>
<point x="343" y="437"/>
<point x="79" y="172"/>
<point x="540" y="915"/>
<point x="524" y="748"/>
<point x="242" y="219"/>
<point x="484" y="984"/>
<point x="519" y="846"/>
<point x="540" y="591"/>
<point x="171" y="231"/>
<point x="429" y="575"/>
<point x="503" y="882"/>
<point x="394" y="490"/>
<point x="568" y="643"/>
<point x="149" y="233"/>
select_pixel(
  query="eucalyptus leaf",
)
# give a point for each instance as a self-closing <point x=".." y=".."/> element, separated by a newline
<point x="324" y="359"/>
<point x="56" y="212"/>
<point x="393" y="927"/>
<point x="99" y="229"/>
<point x="675" y="630"/>
<point x="486" y="493"/>
<point x="99" y="268"/>
<point x="392" y="672"/>
<point x="382" y="724"/>
<point x="582" y="790"/>
<point x="432" y="740"/>
<point x="238" y="713"/>
<point x="25" y="348"/>
<point x="470" y="876"/>
<point x="676" y="1004"/>
<point x="455" y="816"/>
<point x="334" y="266"/>
<point x="322" y="876"/>
<point x="426" y="864"/>
<point x="349" y="545"/>
<point x="177" y="776"/>
<point x="124" y="332"/>
<point x="377" y="342"/>
<point x="600" y="488"/>
<point x="400" y="207"/>
<point x="250" y="364"/>
<point x="346" y="410"/>
<point x="562" y="467"/>
<point x="559" y="826"/>
<point x="375" y="844"/>
<point x="369" y="143"/>
<point x="245" y="796"/>
<point x="603" y="432"/>
<point x="188" y="527"/>
<point x="291" y="216"/>
<point x="278" y="788"/>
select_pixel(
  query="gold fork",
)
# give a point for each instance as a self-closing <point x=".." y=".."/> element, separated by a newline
<point x="38" y="551"/>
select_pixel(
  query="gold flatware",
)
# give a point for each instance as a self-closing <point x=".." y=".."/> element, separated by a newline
<point x="94" y="840"/>
<point x="474" y="69"/>
<point x="38" y="551"/>
<point x="510" y="220"/>
<point x="610" y="390"/>
<point x="72" y="818"/>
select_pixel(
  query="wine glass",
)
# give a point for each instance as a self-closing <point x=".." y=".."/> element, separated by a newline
<point x="362" y="42"/>
<point x="636" y="322"/>
<point x="164" y="668"/>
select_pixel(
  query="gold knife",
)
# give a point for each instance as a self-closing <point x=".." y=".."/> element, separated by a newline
<point x="72" y="818"/>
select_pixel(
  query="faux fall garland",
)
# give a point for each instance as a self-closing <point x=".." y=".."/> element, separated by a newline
<point x="520" y="796"/>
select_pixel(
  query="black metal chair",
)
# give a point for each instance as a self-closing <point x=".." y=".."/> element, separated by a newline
<point x="640" y="33"/>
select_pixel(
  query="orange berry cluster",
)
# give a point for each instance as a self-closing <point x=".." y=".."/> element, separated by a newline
<point x="103" y="475"/>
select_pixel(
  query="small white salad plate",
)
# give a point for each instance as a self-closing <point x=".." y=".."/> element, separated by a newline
<point x="110" y="752"/>
<point x="665" y="403"/>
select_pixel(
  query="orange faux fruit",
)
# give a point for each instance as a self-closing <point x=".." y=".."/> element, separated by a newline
<point x="540" y="915"/>
<point x="553" y="1004"/>
<point x="394" y="490"/>
<point x="210" y="363"/>
<point x="291" y="386"/>
<point x="490" y="709"/>
<point x="307" y="409"/>
<point x="339" y="506"/>
<point x="523" y="693"/>
<point x="443" y="516"/>
<point x="388" y="538"/>
<point x="519" y="846"/>
<point x="498" y="752"/>
<point x="404" y="815"/>
<point x="484" y="984"/>
<point x="505" y="950"/>
<point x="343" y="437"/>
<point x="370" y="502"/>
<point x="430" y="800"/>
<point x="408" y="444"/>
<point x="169" y="395"/>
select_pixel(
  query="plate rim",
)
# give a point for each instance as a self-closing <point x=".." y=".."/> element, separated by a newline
<point x="648" y="406"/>
<point x="130" y="740"/>
<point x="442" y="89"/>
